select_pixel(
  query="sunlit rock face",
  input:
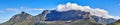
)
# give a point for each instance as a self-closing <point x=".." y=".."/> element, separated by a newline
<point x="41" y="17"/>
<point x="21" y="17"/>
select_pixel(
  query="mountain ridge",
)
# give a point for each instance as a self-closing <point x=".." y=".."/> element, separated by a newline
<point x="49" y="15"/>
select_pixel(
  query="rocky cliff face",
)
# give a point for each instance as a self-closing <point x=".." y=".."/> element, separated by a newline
<point x="67" y="15"/>
<point x="40" y="17"/>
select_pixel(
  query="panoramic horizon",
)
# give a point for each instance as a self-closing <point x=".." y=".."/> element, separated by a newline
<point x="9" y="8"/>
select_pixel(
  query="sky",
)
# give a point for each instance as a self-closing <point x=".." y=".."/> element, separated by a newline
<point x="9" y="8"/>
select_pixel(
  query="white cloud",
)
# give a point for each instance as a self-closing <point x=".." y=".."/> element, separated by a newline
<point x="37" y="9"/>
<point x="94" y="11"/>
<point x="12" y="9"/>
<point x="30" y="10"/>
<point x="24" y="9"/>
<point x="3" y="20"/>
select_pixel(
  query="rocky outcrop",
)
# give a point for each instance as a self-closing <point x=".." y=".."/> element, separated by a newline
<point x="21" y="17"/>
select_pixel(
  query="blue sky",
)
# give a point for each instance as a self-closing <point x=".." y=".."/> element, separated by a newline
<point x="8" y="8"/>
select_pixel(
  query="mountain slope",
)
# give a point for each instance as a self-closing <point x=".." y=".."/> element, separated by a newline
<point x="19" y="18"/>
<point x="117" y="22"/>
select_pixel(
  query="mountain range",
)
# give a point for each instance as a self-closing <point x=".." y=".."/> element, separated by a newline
<point x="53" y="17"/>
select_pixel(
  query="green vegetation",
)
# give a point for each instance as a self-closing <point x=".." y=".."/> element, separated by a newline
<point x="117" y="22"/>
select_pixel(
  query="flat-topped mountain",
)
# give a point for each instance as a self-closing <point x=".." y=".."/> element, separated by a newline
<point x="56" y="17"/>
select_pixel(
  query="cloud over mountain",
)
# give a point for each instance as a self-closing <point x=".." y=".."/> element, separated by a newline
<point x="94" y="11"/>
<point x="24" y="9"/>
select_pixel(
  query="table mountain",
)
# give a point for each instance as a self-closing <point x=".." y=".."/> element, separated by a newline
<point x="53" y="17"/>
